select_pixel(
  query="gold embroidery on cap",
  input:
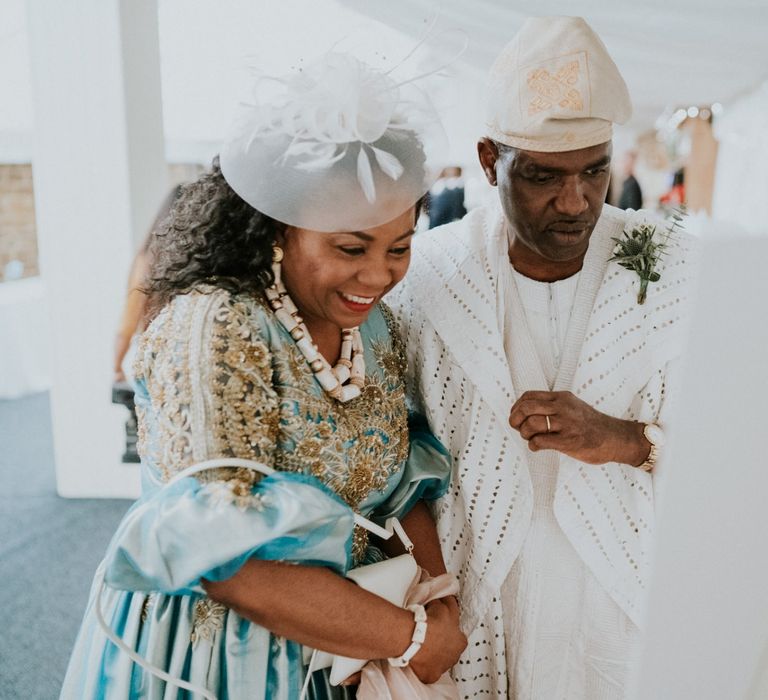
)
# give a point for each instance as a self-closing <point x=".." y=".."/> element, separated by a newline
<point x="555" y="89"/>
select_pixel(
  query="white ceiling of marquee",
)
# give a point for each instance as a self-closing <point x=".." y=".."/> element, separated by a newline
<point x="206" y="47"/>
<point x="671" y="52"/>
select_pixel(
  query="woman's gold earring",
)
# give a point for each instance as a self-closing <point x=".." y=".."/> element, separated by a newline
<point x="277" y="254"/>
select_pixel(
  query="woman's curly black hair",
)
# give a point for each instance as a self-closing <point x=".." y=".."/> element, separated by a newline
<point x="211" y="236"/>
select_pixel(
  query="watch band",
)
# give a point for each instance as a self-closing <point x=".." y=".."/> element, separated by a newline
<point x="650" y="460"/>
<point x="653" y="455"/>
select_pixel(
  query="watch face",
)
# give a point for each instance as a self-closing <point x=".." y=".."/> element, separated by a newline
<point x="654" y="434"/>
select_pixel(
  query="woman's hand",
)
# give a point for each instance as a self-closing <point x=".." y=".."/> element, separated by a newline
<point x="452" y="606"/>
<point x="443" y="644"/>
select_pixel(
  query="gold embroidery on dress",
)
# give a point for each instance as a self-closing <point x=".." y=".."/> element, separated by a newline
<point x="161" y="360"/>
<point x="557" y="89"/>
<point x="141" y="433"/>
<point x="389" y="359"/>
<point x="241" y="409"/>
<point x="397" y="344"/>
<point x="359" y="542"/>
<point x="353" y="447"/>
<point x="146" y="606"/>
<point x="264" y="404"/>
<point x="233" y="486"/>
<point x="244" y="412"/>
<point x="208" y="620"/>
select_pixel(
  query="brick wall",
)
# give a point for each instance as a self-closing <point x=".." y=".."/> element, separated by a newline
<point x="183" y="172"/>
<point x="18" y="234"/>
<point x="18" y="240"/>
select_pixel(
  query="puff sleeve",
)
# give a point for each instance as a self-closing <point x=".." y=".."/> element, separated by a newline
<point x="205" y="392"/>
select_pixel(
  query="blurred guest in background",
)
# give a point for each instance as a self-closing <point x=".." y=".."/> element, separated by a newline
<point x="446" y="198"/>
<point x="631" y="195"/>
<point x="132" y="320"/>
<point x="675" y="197"/>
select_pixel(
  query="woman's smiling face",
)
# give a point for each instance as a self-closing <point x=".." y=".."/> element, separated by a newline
<point x="337" y="278"/>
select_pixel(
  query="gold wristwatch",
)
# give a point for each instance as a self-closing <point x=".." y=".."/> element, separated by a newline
<point x="655" y="435"/>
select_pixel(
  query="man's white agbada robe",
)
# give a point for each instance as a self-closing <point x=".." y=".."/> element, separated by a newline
<point x="470" y="356"/>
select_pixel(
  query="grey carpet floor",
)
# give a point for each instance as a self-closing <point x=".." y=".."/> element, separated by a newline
<point x="49" y="549"/>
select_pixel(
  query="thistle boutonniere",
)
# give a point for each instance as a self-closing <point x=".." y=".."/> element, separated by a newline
<point x="640" y="248"/>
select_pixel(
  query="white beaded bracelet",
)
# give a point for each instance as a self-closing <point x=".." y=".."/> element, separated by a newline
<point x="417" y="639"/>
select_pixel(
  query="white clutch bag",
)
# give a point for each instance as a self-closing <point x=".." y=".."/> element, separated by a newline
<point x="390" y="579"/>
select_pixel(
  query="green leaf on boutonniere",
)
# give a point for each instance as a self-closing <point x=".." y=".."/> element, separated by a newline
<point x="641" y="247"/>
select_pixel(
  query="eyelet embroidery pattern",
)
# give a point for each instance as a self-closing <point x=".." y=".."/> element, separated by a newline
<point x="627" y="356"/>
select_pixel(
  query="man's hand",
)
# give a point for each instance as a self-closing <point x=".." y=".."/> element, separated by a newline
<point x="576" y="429"/>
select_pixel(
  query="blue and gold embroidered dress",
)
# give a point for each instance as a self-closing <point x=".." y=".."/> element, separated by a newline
<point x="217" y="376"/>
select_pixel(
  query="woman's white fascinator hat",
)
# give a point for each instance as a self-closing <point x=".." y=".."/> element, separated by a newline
<point x="335" y="145"/>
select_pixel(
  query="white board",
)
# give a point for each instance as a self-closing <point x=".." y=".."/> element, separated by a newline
<point x="707" y="634"/>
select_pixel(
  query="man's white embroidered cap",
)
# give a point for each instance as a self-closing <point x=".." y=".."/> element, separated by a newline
<point x="334" y="146"/>
<point x="555" y="88"/>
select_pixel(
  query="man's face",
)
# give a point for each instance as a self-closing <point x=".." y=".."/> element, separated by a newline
<point x="552" y="201"/>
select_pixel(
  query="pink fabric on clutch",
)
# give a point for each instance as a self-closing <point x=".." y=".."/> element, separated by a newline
<point x="380" y="681"/>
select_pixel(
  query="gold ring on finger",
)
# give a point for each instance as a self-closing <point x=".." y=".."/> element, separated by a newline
<point x="549" y="425"/>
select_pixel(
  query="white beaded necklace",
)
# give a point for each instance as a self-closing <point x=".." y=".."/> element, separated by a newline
<point x="343" y="382"/>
